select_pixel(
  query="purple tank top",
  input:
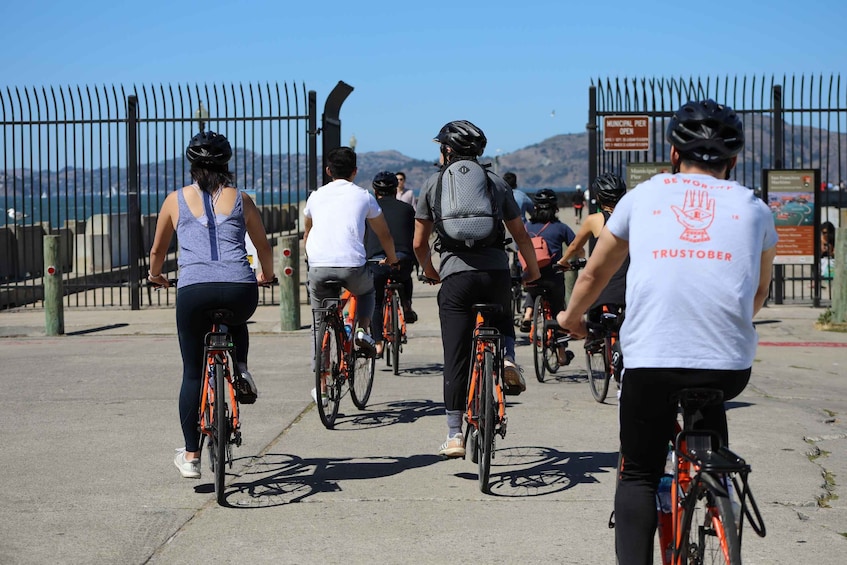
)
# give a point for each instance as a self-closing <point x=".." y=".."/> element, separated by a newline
<point x="212" y="251"/>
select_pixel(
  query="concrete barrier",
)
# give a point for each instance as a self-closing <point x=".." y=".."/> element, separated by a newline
<point x="105" y="244"/>
<point x="30" y="246"/>
<point x="8" y="254"/>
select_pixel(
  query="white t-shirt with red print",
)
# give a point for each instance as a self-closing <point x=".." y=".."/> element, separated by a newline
<point x="695" y="246"/>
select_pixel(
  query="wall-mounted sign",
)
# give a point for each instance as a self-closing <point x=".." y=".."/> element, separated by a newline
<point x="637" y="173"/>
<point x="790" y="194"/>
<point x="626" y="133"/>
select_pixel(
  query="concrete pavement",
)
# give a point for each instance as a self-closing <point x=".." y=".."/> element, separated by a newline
<point x="91" y="424"/>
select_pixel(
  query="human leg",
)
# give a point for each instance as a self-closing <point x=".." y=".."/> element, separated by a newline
<point x="646" y="426"/>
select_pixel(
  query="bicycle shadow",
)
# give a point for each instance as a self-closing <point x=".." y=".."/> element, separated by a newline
<point x="428" y="370"/>
<point x="388" y="414"/>
<point x="280" y="478"/>
<point x="543" y="470"/>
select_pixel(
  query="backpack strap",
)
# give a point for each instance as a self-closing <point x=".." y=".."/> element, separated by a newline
<point x="541" y="230"/>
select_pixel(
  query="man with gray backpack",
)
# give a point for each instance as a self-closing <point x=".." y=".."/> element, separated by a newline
<point x="466" y="206"/>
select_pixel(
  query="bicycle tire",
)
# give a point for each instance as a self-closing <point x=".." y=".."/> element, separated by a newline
<point x="708" y="535"/>
<point x="221" y="435"/>
<point x="486" y="421"/>
<point x="596" y="362"/>
<point x="362" y="379"/>
<point x="539" y="339"/>
<point x="395" y="332"/>
<point x="328" y="363"/>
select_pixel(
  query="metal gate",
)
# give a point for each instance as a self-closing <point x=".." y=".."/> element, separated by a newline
<point x="94" y="164"/>
<point x="792" y="122"/>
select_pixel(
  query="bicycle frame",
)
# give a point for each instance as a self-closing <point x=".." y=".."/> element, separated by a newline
<point x="697" y="454"/>
<point x="219" y="348"/>
<point x="486" y="339"/>
<point x="387" y="321"/>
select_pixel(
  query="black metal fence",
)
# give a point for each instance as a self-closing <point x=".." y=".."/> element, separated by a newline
<point x="790" y="122"/>
<point x="94" y="164"/>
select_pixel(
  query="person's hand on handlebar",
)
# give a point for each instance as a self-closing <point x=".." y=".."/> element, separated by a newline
<point x="158" y="281"/>
<point x="572" y="324"/>
<point x="266" y="280"/>
<point x="394" y="264"/>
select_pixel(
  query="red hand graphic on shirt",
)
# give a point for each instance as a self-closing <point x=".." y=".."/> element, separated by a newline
<point x="696" y="214"/>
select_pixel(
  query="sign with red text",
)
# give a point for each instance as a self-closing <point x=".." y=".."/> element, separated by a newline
<point x="626" y="133"/>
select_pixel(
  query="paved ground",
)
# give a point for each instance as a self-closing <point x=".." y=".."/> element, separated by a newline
<point x="90" y="426"/>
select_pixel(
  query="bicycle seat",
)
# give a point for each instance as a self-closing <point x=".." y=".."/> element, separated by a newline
<point x="219" y="315"/>
<point x="488" y="308"/>
<point x="692" y="399"/>
<point x="333" y="284"/>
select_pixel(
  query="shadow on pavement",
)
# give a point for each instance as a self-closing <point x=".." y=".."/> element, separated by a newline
<point x="293" y="479"/>
<point x="389" y="414"/>
<point x="543" y="470"/>
<point x="100" y="329"/>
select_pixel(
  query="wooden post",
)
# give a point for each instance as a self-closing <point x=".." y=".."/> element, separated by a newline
<point x="839" y="278"/>
<point x="53" y="308"/>
<point x="289" y="283"/>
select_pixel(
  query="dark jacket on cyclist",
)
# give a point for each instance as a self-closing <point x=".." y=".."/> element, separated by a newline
<point x="615" y="291"/>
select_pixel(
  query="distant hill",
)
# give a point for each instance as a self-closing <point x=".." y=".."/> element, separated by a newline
<point x="561" y="162"/>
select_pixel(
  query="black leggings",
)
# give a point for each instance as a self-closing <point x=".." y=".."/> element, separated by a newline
<point x="192" y="324"/>
<point x="647" y="416"/>
<point x="458" y="293"/>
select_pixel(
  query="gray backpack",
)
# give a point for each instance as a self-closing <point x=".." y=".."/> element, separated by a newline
<point x="466" y="213"/>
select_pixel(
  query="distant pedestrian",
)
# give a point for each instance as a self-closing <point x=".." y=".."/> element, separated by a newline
<point x="578" y="204"/>
<point x="405" y="194"/>
<point x="523" y="200"/>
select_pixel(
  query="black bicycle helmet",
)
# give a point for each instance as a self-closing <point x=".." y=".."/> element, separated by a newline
<point x="706" y="131"/>
<point x="608" y="188"/>
<point x="463" y="138"/>
<point x="545" y="198"/>
<point x="385" y="183"/>
<point x="208" y="148"/>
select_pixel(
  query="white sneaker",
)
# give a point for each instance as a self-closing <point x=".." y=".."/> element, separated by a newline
<point x="453" y="447"/>
<point x="324" y="398"/>
<point x="189" y="469"/>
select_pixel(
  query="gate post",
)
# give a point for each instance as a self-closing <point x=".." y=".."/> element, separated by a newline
<point x="839" y="278"/>
<point x="289" y="283"/>
<point x="778" y="132"/>
<point x="591" y="126"/>
<point x="331" y="123"/>
<point x="313" y="142"/>
<point x="54" y="313"/>
<point x="133" y="204"/>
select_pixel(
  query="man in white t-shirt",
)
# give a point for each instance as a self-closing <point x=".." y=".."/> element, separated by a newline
<point x="334" y="238"/>
<point x="701" y="250"/>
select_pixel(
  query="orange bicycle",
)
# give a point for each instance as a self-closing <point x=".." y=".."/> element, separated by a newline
<point x="219" y="413"/>
<point x="486" y="410"/>
<point x="337" y="361"/>
<point x="393" y="324"/>
<point x="603" y="354"/>
<point x="548" y="339"/>
<point x="697" y="521"/>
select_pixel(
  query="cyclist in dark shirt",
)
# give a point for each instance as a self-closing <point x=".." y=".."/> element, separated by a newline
<point x="400" y="217"/>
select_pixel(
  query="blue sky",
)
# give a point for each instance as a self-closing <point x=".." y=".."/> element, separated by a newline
<point x="506" y="66"/>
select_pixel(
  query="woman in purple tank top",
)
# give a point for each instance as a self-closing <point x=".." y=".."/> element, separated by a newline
<point x="210" y="218"/>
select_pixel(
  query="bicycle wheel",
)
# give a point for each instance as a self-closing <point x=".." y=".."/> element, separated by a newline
<point x="362" y="379"/>
<point x="538" y="339"/>
<point x="486" y="421"/>
<point x="596" y="362"/>
<point x="328" y="361"/>
<point x="708" y="534"/>
<point x="221" y="434"/>
<point x="395" y="332"/>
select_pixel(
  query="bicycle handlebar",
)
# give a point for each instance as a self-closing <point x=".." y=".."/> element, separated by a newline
<point x="573" y="265"/>
<point x="172" y="282"/>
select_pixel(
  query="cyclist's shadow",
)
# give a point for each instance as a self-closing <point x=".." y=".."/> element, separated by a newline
<point x="388" y="414"/>
<point x="526" y="471"/>
<point x="276" y="479"/>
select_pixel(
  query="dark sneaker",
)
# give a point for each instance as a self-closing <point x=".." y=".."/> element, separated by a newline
<point x="410" y="315"/>
<point x="525" y="326"/>
<point x="245" y="389"/>
<point x="513" y="377"/>
<point x="365" y="342"/>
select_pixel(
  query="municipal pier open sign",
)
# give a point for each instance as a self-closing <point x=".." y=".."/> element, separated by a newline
<point x="626" y="133"/>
